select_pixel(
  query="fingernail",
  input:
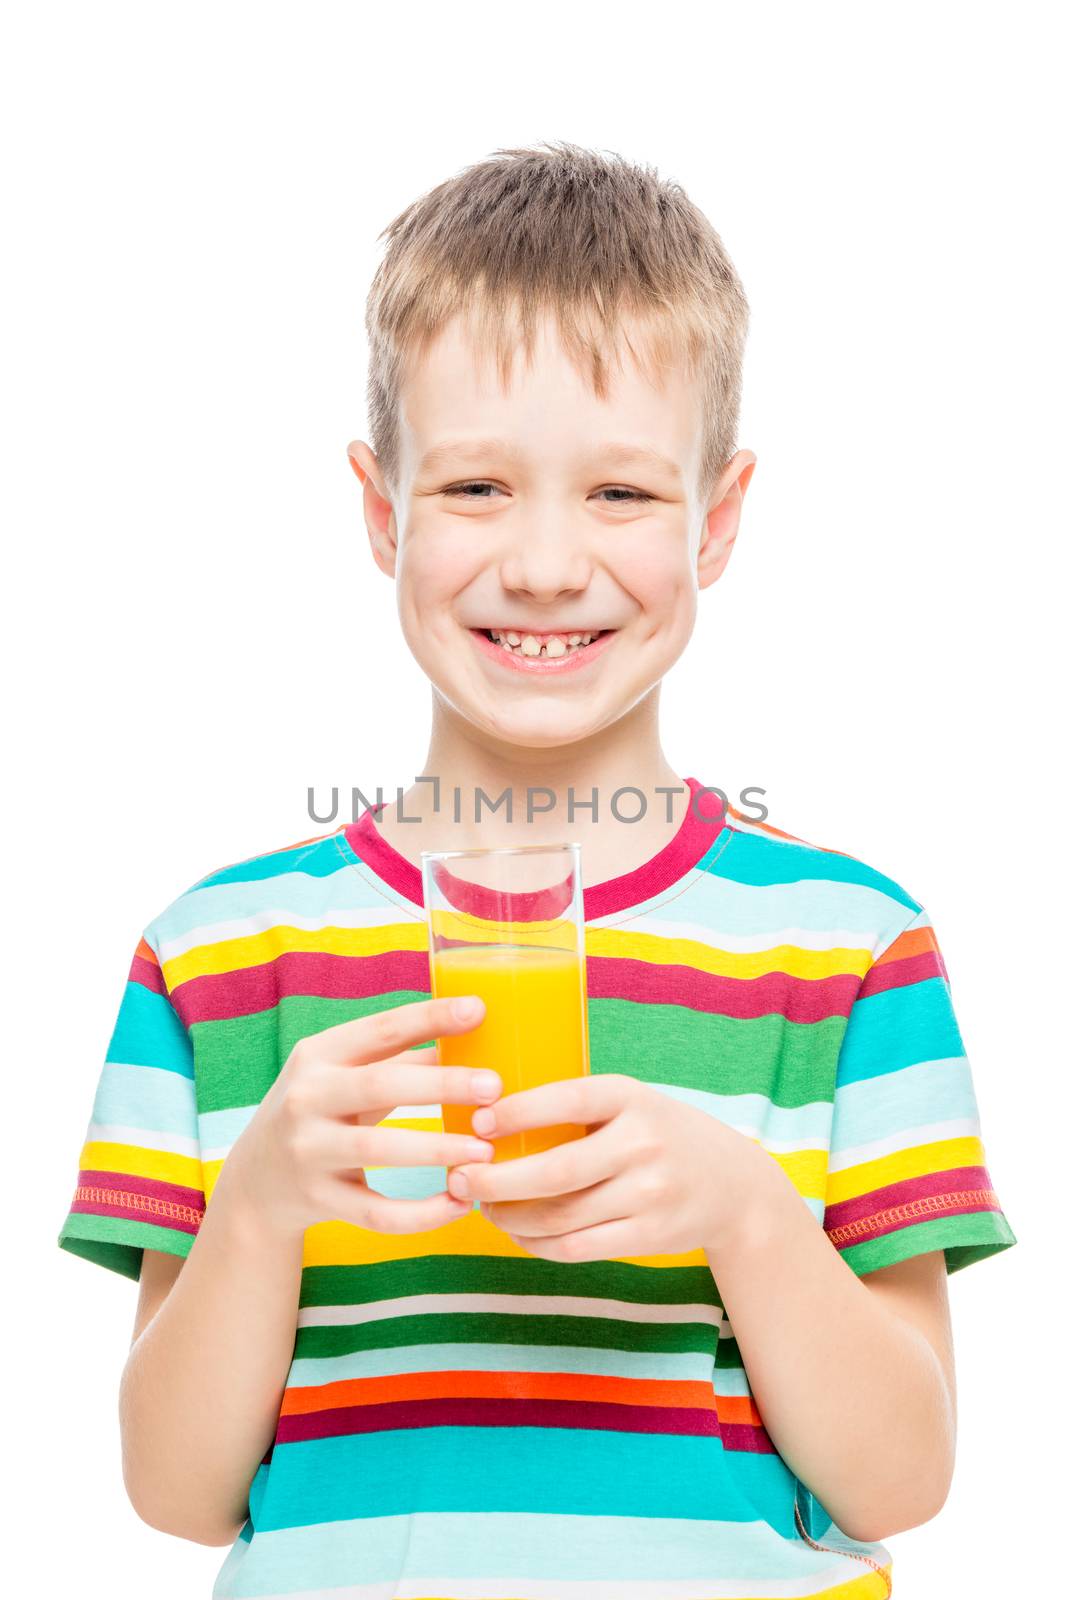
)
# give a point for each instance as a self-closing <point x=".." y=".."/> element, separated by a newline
<point x="483" y="1120"/>
<point x="466" y="1009"/>
<point x="486" y="1083"/>
<point x="459" y="1185"/>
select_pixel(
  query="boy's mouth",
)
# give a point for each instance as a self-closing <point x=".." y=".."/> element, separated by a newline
<point x="542" y="651"/>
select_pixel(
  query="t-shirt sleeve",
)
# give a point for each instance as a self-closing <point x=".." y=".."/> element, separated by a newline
<point x="907" y="1169"/>
<point x="140" y="1184"/>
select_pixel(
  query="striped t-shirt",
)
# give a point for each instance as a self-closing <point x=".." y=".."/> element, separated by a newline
<point x="463" y="1419"/>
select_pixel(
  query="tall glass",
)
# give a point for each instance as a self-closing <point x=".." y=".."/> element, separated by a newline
<point x="508" y="926"/>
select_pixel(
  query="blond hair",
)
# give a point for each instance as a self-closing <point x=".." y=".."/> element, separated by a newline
<point x="584" y="236"/>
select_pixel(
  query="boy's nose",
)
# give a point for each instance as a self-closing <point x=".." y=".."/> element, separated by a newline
<point x="546" y="566"/>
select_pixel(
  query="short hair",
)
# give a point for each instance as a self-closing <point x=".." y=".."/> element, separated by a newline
<point x="586" y="236"/>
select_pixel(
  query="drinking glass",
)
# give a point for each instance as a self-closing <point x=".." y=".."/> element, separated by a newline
<point x="508" y="925"/>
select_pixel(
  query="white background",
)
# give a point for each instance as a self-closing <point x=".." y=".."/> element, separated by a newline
<point x="196" y="631"/>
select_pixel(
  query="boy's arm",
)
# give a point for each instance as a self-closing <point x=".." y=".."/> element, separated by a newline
<point x="159" y="1272"/>
<point x="853" y="1379"/>
<point x="204" y="1380"/>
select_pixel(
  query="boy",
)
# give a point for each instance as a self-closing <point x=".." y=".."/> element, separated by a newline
<point x="706" y="1348"/>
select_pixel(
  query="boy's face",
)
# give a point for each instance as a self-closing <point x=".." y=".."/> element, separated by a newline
<point x="517" y="511"/>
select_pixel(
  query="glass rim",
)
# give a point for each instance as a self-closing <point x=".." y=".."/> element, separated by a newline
<point x="494" y="850"/>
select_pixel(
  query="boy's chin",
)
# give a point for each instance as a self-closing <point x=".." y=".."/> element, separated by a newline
<point x="541" y="728"/>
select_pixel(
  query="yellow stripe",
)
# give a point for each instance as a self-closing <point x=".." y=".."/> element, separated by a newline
<point x="335" y="1244"/>
<point x="872" y="1584"/>
<point x="918" y="1162"/>
<point x="787" y="958"/>
<point x="343" y="1244"/>
<point x="806" y="1170"/>
<point x="137" y="1162"/>
<point x="257" y="949"/>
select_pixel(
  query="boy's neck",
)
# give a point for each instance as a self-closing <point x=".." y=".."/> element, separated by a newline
<point x="626" y="757"/>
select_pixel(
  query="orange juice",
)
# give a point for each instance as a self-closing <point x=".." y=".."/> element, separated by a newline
<point x="534" y="1030"/>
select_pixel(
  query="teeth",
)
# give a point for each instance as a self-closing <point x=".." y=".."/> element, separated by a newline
<point x="553" y="645"/>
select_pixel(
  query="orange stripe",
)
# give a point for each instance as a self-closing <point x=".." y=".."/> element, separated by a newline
<point x="518" y="1386"/>
<point x="917" y="941"/>
<point x="146" y="953"/>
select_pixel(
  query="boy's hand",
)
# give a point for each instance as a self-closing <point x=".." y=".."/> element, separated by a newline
<point x="300" y="1160"/>
<point x="654" y="1176"/>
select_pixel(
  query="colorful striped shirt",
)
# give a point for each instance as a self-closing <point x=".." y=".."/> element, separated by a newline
<point x="463" y="1419"/>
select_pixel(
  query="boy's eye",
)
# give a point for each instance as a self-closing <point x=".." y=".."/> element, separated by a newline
<point x="468" y="491"/>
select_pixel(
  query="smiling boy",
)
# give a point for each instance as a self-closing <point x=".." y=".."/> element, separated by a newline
<point x="707" y="1348"/>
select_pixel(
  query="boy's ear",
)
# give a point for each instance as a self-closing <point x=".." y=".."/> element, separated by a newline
<point x="377" y="506"/>
<point x="721" y="521"/>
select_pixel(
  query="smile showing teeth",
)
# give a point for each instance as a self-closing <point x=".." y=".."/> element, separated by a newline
<point x="544" y="644"/>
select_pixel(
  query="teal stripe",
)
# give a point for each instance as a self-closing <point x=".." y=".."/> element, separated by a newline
<point x="758" y="862"/>
<point x="898" y="1028"/>
<point x="316" y="860"/>
<point x="148" y="1033"/>
<point x="574" y="1471"/>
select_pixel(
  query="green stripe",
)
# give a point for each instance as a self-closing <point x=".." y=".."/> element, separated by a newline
<point x="609" y="1280"/>
<point x="119" y="1242"/>
<point x="792" y="1063"/>
<point x="238" y="1058"/>
<point x="964" y="1239"/>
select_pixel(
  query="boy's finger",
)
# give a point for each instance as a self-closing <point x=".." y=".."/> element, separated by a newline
<point x="585" y="1100"/>
<point x="381" y="1086"/>
<point x="565" y="1169"/>
<point x="383" y="1214"/>
<point x="386" y="1032"/>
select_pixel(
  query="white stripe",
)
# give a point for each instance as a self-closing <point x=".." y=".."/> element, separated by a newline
<point x="685" y="1366"/>
<point x="174" y="1144"/>
<point x="755" y="1125"/>
<point x="881" y="946"/>
<point x="814" y="939"/>
<point x="930" y="1133"/>
<point x="361" y="917"/>
<point x="341" y="916"/>
<point x="515" y="1304"/>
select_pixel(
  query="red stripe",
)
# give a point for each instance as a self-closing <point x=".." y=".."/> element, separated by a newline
<point x="303" y="972"/>
<point x="897" y="1194"/>
<point x="702" y="822"/>
<point x="217" y="997"/>
<point x="148" y="975"/>
<point x="773" y="994"/>
<point x="482" y="1412"/>
<point x="117" y="1194"/>
<point x="147" y="1188"/>
<point x="899" y="974"/>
